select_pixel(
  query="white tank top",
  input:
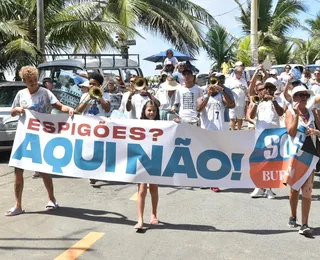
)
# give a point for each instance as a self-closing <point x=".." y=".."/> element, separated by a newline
<point x="267" y="116"/>
<point x="212" y="116"/>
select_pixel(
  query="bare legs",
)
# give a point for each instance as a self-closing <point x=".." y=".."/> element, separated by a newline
<point x="306" y="200"/>
<point x="47" y="181"/>
<point x="18" y="187"/>
<point x="142" y="193"/>
<point x="233" y="124"/>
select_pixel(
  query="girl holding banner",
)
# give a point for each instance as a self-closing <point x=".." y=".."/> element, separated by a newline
<point x="299" y="116"/>
<point x="149" y="111"/>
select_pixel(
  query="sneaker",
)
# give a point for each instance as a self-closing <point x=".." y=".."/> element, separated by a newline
<point x="36" y="175"/>
<point x="305" y="230"/>
<point x="292" y="222"/>
<point x="215" y="189"/>
<point x="258" y="193"/>
<point x="93" y="181"/>
<point x="269" y="194"/>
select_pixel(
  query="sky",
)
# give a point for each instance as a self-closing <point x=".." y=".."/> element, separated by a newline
<point x="152" y="44"/>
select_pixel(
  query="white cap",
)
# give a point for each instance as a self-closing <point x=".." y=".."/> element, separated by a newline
<point x="273" y="72"/>
<point x="85" y="84"/>
<point x="274" y="82"/>
<point x="83" y="73"/>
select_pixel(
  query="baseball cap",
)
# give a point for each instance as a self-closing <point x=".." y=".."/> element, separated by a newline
<point x="187" y="71"/>
<point x="271" y="83"/>
<point x="85" y="84"/>
<point x="47" y="80"/>
<point x="273" y="72"/>
<point x="239" y="63"/>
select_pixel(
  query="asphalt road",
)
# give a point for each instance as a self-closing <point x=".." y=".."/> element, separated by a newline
<point x="97" y="222"/>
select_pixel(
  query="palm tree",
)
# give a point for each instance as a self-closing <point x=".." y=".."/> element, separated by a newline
<point x="274" y="21"/>
<point x="219" y="43"/>
<point x="91" y="25"/>
<point x="307" y="51"/>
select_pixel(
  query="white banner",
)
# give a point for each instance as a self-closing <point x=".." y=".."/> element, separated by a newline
<point x="160" y="152"/>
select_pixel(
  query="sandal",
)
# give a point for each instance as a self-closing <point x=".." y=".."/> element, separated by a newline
<point x="138" y="226"/>
<point x="52" y="206"/>
<point x="14" y="212"/>
<point x="154" y="221"/>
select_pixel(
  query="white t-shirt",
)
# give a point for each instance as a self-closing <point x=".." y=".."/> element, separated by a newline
<point x="93" y="108"/>
<point x="267" y="116"/>
<point x="180" y="77"/>
<point x="137" y="104"/>
<point x="187" y="100"/>
<point x="212" y="116"/>
<point x="114" y="100"/>
<point x="284" y="76"/>
<point x="39" y="101"/>
<point x="173" y="60"/>
<point x="166" y="102"/>
<point x="238" y="87"/>
<point x="316" y="90"/>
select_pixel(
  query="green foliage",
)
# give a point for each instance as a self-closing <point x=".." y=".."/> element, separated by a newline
<point x="219" y="43"/>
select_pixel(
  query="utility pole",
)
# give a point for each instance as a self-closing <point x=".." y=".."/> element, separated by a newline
<point x="40" y="26"/>
<point x="254" y="33"/>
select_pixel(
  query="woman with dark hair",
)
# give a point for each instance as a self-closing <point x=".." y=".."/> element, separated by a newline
<point x="284" y="76"/>
<point x="170" y="59"/>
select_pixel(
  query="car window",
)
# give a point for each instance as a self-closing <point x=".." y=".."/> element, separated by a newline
<point x="7" y="94"/>
<point x="65" y="84"/>
<point x="128" y="73"/>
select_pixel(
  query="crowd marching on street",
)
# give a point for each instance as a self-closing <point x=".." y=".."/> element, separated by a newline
<point x="231" y="100"/>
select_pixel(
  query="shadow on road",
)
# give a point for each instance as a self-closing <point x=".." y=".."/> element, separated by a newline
<point x="117" y="218"/>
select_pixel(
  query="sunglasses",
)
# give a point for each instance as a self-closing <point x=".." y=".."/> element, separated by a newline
<point x="307" y="95"/>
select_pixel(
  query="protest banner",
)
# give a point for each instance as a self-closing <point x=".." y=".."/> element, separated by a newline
<point x="159" y="152"/>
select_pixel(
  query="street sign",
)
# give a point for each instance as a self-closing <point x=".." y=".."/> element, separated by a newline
<point x="126" y="43"/>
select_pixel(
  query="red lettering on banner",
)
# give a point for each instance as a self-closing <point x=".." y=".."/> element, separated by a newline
<point x="84" y="130"/>
<point x="48" y="127"/>
<point x="119" y="132"/>
<point x="137" y="133"/>
<point x="34" y="124"/>
<point x="63" y="126"/>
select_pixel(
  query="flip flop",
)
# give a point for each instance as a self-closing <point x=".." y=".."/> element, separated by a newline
<point x="138" y="226"/>
<point x="14" y="212"/>
<point x="52" y="206"/>
<point x="154" y="222"/>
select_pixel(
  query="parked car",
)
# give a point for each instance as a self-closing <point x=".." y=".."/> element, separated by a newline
<point x="312" y="68"/>
<point x="280" y="68"/>
<point x="8" y="124"/>
<point x="65" y="70"/>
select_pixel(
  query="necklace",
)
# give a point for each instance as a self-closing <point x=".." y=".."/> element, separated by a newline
<point x="304" y="116"/>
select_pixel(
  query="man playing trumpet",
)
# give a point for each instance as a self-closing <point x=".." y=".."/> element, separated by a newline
<point x="139" y="95"/>
<point x="265" y="108"/>
<point x="93" y="103"/>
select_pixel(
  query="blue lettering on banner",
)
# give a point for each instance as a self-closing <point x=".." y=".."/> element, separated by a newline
<point x="152" y="166"/>
<point x="203" y="170"/>
<point x="95" y="162"/>
<point x="58" y="163"/>
<point x="110" y="157"/>
<point x="35" y="151"/>
<point x="180" y="161"/>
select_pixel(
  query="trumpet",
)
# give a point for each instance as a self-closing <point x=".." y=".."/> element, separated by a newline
<point x="140" y="83"/>
<point x="256" y="99"/>
<point x="95" y="93"/>
<point x="213" y="81"/>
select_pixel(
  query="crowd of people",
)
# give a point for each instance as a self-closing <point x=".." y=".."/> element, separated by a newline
<point x="265" y="101"/>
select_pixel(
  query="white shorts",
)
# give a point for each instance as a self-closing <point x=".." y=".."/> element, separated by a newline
<point x="237" y="113"/>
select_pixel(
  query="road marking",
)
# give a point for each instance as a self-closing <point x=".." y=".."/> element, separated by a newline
<point x="135" y="196"/>
<point x="78" y="249"/>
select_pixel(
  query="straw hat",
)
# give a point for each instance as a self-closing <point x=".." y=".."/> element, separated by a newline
<point x="170" y="83"/>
